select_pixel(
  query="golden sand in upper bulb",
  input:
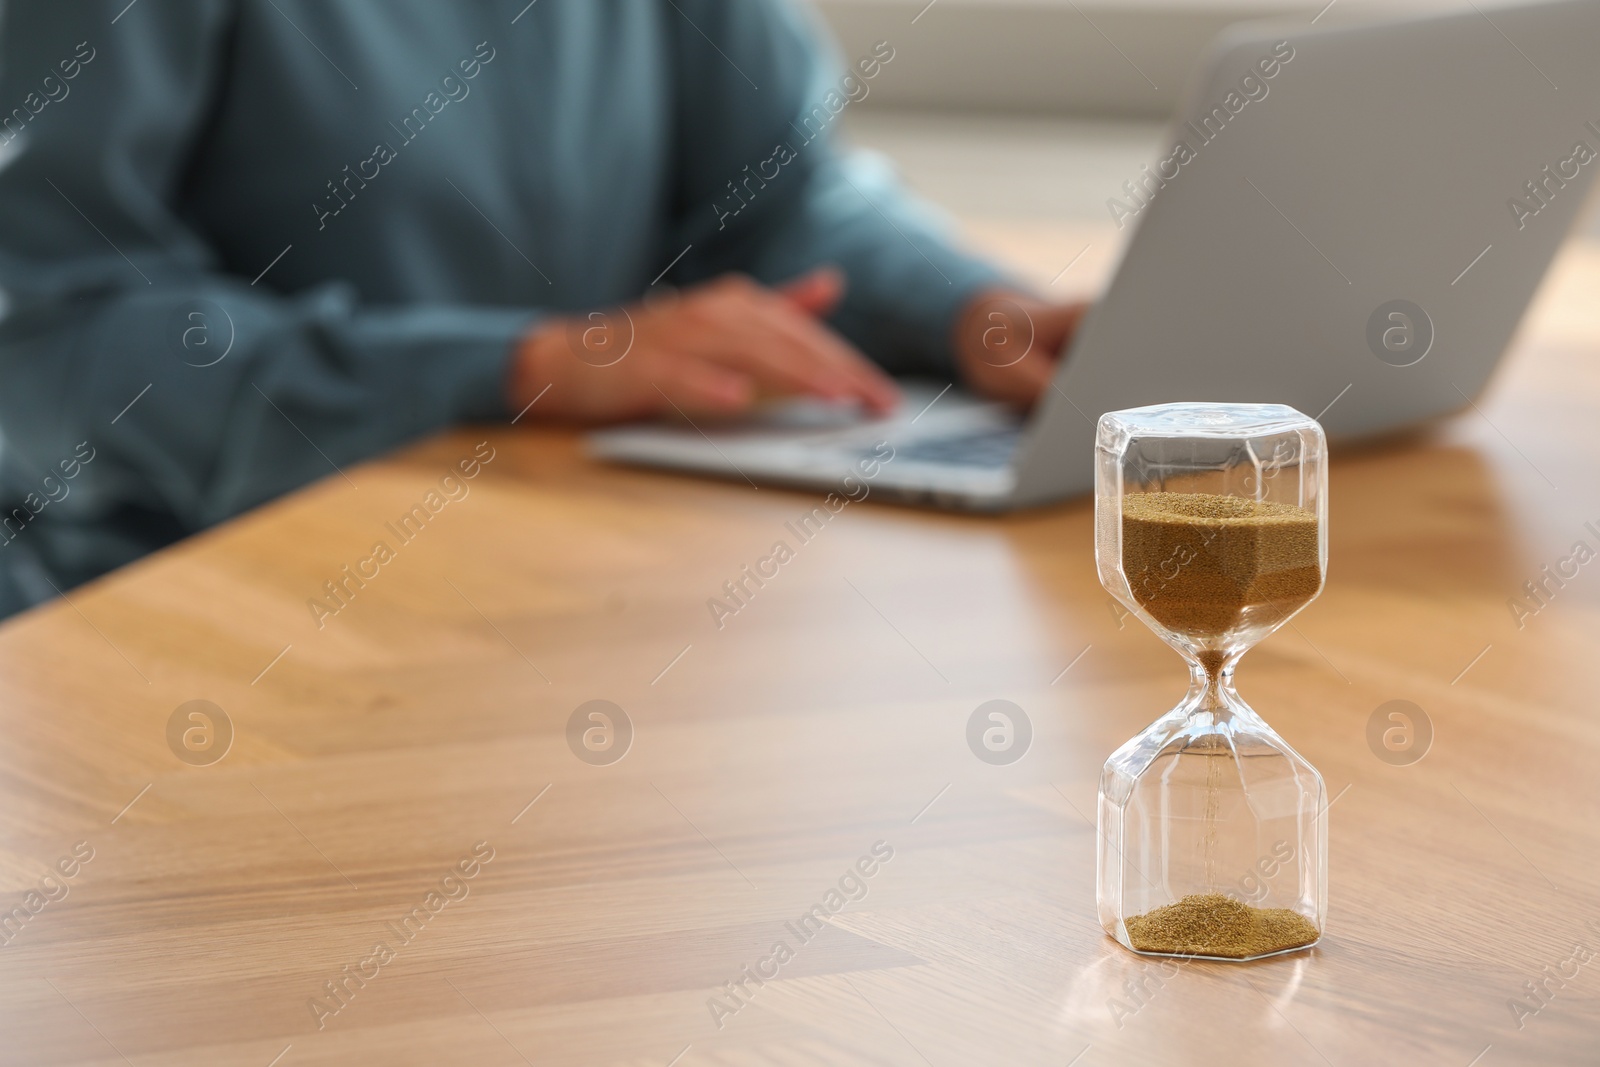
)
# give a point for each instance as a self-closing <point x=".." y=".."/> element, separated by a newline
<point x="1202" y="563"/>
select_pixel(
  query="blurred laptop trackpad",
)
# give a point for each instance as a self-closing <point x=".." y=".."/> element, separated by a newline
<point x="938" y="436"/>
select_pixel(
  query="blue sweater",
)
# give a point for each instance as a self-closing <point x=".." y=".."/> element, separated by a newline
<point x="243" y="241"/>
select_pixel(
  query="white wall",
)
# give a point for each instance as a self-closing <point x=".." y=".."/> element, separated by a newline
<point x="1113" y="58"/>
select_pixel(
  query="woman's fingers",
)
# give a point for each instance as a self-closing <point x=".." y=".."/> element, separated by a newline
<point x="713" y="348"/>
<point x="763" y="333"/>
<point x="803" y="342"/>
<point x="693" y="385"/>
<point x="816" y="293"/>
<point x="1008" y="345"/>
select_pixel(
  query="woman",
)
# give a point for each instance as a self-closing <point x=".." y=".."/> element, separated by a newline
<point x="244" y="243"/>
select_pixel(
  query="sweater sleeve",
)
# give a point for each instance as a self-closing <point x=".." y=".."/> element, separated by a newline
<point x="765" y="189"/>
<point x="200" y="390"/>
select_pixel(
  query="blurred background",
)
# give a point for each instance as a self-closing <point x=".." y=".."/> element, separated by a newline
<point x="1021" y="117"/>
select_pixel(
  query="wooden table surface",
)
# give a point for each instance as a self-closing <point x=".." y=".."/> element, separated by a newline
<point x="421" y="735"/>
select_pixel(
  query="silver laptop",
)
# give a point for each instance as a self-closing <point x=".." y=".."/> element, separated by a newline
<point x="1354" y="226"/>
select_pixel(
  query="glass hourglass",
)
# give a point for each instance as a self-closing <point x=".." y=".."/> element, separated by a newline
<point x="1211" y="527"/>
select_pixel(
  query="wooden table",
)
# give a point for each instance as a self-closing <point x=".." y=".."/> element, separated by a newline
<point x="423" y="729"/>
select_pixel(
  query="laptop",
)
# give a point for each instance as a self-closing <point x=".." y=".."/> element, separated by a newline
<point x="1350" y="221"/>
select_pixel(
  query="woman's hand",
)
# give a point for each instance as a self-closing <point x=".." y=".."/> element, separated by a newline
<point x="1008" y="344"/>
<point x="716" y="348"/>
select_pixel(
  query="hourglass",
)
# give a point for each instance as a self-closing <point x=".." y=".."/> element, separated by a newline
<point x="1211" y="527"/>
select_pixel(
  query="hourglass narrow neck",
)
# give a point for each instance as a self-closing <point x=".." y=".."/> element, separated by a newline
<point x="1211" y="693"/>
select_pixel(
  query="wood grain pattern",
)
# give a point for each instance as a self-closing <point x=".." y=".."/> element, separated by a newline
<point x="430" y="714"/>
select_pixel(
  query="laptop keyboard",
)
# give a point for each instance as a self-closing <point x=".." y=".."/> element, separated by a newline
<point x="985" y="448"/>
